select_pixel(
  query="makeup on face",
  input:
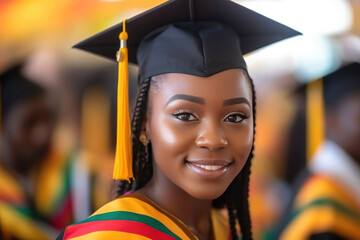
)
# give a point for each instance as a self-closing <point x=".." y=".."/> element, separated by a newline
<point x="201" y="129"/>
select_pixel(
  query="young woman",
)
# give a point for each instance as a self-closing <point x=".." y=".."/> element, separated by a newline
<point x="193" y="124"/>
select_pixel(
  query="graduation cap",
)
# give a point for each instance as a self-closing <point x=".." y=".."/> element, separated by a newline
<point x="196" y="37"/>
<point x="15" y="87"/>
<point x="341" y="83"/>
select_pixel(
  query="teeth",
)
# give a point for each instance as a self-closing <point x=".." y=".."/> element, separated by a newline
<point x="209" y="167"/>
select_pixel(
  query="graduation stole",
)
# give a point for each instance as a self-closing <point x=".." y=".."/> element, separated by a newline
<point x="53" y="192"/>
<point x="129" y="217"/>
<point x="323" y="205"/>
<point x="52" y="198"/>
<point x="134" y="217"/>
<point x="16" y="218"/>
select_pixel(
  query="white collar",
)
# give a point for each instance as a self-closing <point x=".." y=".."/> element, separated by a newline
<point x="333" y="160"/>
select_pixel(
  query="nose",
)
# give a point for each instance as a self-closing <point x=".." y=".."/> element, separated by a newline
<point x="211" y="137"/>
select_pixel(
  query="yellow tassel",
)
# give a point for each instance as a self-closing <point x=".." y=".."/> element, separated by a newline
<point x="123" y="157"/>
<point x="314" y="117"/>
<point x="0" y="121"/>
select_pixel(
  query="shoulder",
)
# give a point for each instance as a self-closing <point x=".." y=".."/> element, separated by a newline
<point x="129" y="217"/>
<point x="322" y="186"/>
<point x="322" y="206"/>
<point x="321" y="190"/>
<point x="108" y="219"/>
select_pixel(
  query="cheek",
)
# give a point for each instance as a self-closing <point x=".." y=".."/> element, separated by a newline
<point x="241" y="144"/>
<point x="18" y="135"/>
<point x="167" y="135"/>
<point x="16" y="129"/>
<point x="162" y="131"/>
<point x="349" y="124"/>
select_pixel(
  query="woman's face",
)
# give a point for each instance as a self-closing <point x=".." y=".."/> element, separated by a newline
<point x="201" y="130"/>
<point x="28" y="129"/>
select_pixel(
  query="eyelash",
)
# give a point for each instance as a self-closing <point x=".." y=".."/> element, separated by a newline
<point x="185" y="112"/>
<point x="242" y="117"/>
<point x="186" y="115"/>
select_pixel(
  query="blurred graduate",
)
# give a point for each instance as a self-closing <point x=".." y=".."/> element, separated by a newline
<point x="326" y="201"/>
<point x="34" y="188"/>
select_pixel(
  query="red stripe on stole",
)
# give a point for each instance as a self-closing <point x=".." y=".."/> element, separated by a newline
<point x="64" y="214"/>
<point x="12" y="199"/>
<point x="115" y="225"/>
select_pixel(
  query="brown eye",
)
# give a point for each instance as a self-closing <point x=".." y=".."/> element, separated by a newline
<point x="185" y="116"/>
<point x="235" y="118"/>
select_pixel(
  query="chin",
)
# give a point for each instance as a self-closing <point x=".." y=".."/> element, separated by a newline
<point x="206" y="193"/>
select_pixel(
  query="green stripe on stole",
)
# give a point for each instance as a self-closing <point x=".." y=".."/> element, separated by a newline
<point x="125" y="215"/>
<point x="64" y="188"/>
<point x="332" y="203"/>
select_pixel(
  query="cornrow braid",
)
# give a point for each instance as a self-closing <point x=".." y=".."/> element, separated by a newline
<point x="143" y="168"/>
<point x="232" y="216"/>
<point x="241" y="183"/>
<point x="242" y="207"/>
<point x="122" y="187"/>
<point x="242" y="203"/>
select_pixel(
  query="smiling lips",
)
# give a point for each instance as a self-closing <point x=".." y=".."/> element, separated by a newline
<point x="209" y="168"/>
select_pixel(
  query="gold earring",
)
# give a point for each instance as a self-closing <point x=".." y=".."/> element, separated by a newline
<point x="143" y="139"/>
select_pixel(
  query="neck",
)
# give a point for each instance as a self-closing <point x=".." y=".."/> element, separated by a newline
<point x="195" y="213"/>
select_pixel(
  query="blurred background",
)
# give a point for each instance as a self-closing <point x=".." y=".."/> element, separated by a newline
<point x="40" y="34"/>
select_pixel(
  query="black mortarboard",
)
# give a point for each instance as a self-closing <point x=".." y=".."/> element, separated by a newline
<point x="341" y="83"/>
<point x="15" y="87"/>
<point x="197" y="37"/>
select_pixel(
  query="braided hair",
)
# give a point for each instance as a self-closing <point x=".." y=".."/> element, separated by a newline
<point x="142" y="163"/>
<point x="235" y="197"/>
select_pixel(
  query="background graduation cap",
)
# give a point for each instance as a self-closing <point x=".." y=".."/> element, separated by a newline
<point x="15" y="87"/>
<point x="197" y="37"/>
<point x="341" y="83"/>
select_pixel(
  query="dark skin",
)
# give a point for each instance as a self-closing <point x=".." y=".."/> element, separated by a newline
<point x="201" y="130"/>
<point x="343" y="124"/>
<point x="26" y="135"/>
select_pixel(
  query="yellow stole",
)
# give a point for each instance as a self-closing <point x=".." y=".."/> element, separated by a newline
<point x="323" y="206"/>
<point x="136" y="217"/>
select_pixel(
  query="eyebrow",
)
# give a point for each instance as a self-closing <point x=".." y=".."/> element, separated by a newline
<point x="233" y="101"/>
<point x="186" y="97"/>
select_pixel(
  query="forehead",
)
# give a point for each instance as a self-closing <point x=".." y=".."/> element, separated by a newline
<point x="224" y="85"/>
<point x="31" y="106"/>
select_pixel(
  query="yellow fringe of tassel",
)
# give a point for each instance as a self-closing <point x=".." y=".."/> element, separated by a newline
<point x="123" y="158"/>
